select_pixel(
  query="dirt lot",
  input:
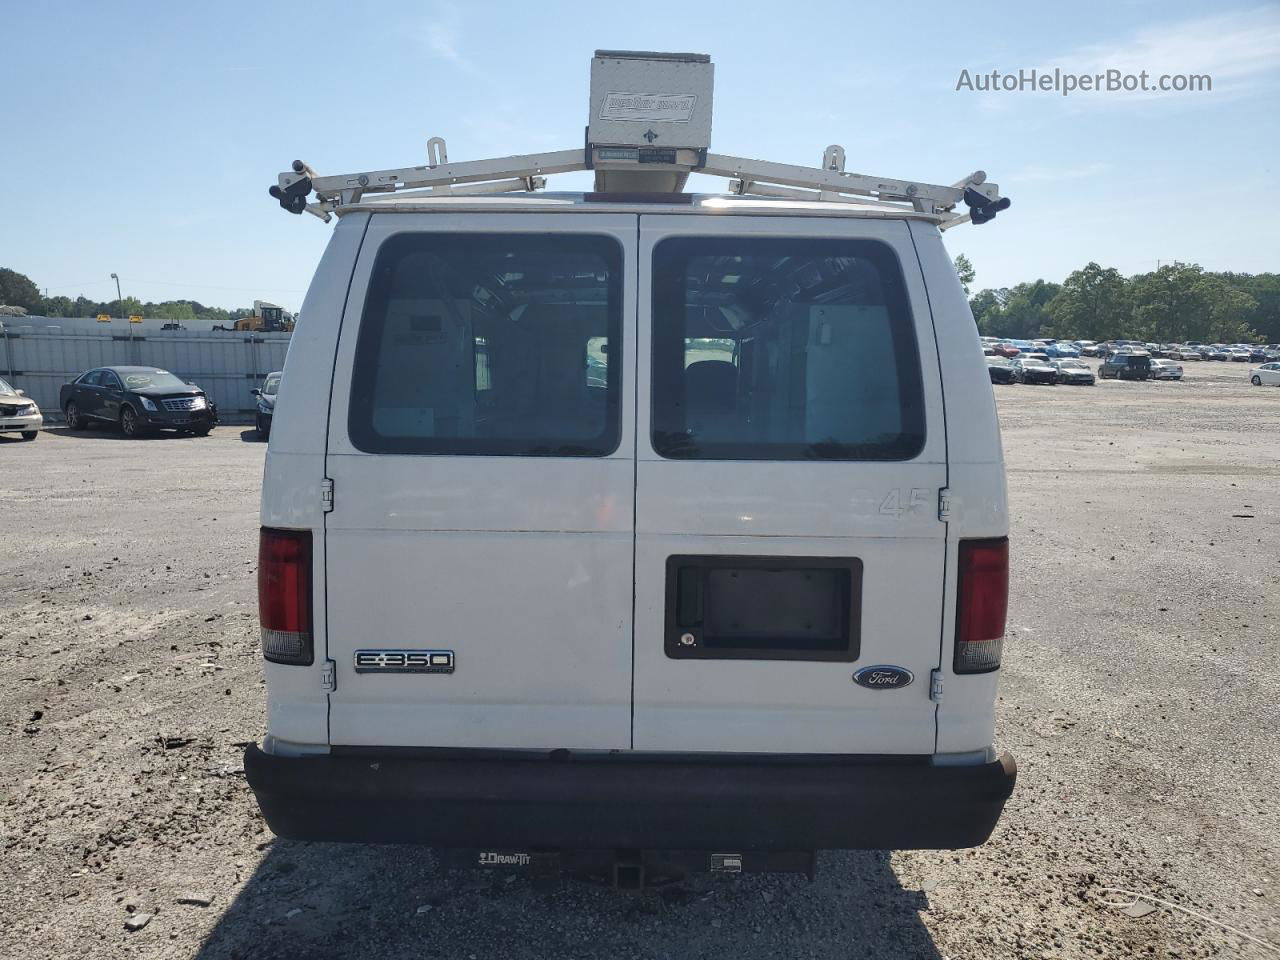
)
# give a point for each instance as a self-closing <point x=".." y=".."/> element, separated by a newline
<point x="1141" y="697"/>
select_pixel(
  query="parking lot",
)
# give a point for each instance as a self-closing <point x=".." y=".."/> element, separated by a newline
<point x="1140" y="696"/>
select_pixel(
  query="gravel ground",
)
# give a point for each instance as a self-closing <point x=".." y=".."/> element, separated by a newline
<point x="1139" y="696"/>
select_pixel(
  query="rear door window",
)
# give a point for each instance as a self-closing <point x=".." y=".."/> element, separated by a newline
<point x="783" y="349"/>
<point x="490" y="344"/>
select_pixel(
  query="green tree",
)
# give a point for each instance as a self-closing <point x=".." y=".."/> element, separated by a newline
<point x="124" y="308"/>
<point x="171" y="310"/>
<point x="1264" y="288"/>
<point x="59" y="307"/>
<point x="1229" y="310"/>
<point x="984" y="303"/>
<point x="1181" y="302"/>
<point x="17" y="290"/>
<point x="1092" y="304"/>
<point x="965" y="271"/>
<point x="1021" y="313"/>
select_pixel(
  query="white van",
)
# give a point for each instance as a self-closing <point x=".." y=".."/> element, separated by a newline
<point x="636" y="530"/>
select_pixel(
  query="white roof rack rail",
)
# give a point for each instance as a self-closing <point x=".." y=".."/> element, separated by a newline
<point x="674" y="111"/>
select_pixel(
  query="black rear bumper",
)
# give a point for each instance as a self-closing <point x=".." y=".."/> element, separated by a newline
<point x="630" y="801"/>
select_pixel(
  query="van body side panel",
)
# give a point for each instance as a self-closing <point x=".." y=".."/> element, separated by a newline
<point x="978" y="491"/>
<point x="518" y="565"/>
<point x="881" y="514"/>
<point x="974" y="428"/>
<point x="297" y="704"/>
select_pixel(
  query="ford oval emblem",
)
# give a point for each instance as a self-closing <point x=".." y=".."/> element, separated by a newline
<point x="883" y="677"/>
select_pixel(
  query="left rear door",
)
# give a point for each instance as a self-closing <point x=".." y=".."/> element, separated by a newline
<point x="481" y="445"/>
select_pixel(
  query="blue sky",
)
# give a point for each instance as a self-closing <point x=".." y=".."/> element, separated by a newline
<point x="140" y="138"/>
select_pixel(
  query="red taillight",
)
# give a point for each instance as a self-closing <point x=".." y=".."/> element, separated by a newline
<point x="284" y="595"/>
<point x="983" y="601"/>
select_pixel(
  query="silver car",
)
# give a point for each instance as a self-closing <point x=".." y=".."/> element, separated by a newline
<point x="1166" y="370"/>
<point x="18" y="412"/>
<point x="266" y="397"/>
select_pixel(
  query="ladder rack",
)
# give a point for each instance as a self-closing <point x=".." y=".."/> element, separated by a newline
<point x="646" y="143"/>
<point x="759" y="178"/>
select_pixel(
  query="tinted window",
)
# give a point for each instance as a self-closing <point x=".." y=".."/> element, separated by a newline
<point x="783" y="350"/>
<point x="490" y="345"/>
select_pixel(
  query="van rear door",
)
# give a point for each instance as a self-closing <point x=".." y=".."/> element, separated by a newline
<point x="481" y="445"/>
<point x="791" y="446"/>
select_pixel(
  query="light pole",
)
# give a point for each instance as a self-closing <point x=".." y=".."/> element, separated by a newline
<point x="120" y="300"/>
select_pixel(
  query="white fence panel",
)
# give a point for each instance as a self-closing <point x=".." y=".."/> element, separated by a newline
<point x="226" y="364"/>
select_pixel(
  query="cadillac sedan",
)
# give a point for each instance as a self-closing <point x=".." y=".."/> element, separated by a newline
<point x="138" y="400"/>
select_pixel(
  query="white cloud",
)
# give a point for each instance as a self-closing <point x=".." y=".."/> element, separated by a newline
<point x="442" y="35"/>
<point x="1239" y="50"/>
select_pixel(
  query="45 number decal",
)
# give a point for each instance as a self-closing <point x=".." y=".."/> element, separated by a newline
<point x="898" y="503"/>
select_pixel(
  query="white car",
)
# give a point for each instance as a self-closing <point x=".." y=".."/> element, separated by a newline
<point x="598" y="525"/>
<point x="18" y="412"/>
<point x="1166" y="370"/>
<point x="1267" y="375"/>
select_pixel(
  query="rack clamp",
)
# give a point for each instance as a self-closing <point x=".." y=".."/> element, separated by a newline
<point x="981" y="208"/>
<point x="293" y="196"/>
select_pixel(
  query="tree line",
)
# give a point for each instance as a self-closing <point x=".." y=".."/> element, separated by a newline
<point x="1174" y="304"/>
<point x="18" y="290"/>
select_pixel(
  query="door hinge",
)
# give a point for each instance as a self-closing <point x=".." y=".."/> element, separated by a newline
<point x="329" y="676"/>
<point x="944" y="504"/>
<point x="326" y="495"/>
<point x="935" y="685"/>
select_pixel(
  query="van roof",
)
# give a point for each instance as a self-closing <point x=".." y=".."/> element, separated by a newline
<point x="686" y="203"/>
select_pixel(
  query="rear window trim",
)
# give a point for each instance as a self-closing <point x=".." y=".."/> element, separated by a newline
<point x="369" y="442"/>
<point x="757" y="453"/>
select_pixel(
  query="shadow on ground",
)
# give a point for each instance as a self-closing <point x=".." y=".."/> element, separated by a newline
<point x="107" y="431"/>
<point x="308" y="901"/>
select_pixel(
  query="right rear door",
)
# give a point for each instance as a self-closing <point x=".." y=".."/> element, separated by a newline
<point x="790" y="449"/>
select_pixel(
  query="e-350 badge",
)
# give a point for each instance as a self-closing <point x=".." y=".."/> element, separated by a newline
<point x="404" y="661"/>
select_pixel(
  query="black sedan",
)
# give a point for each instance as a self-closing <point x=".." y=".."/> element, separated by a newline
<point x="1000" y="369"/>
<point x="1032" y="370"/>
<point x="137" y="400"/>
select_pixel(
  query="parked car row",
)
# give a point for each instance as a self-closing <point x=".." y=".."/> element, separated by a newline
<point x="1037" y="368"/>
<point x="1057" y="349"/>
<point x="1130" y="364"/>
<point x="1237" y="352"/>
<point x="136" y="400"/>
